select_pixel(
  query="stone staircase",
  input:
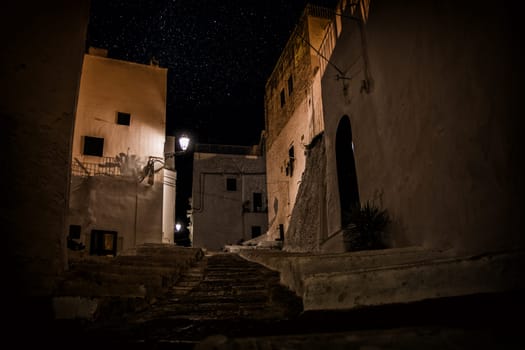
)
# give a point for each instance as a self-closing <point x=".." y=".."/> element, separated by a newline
<point x="96" y="287"/>
<point x="373" y="278"/>
<point x="220" y="294"/>
<point x="225" y="301"/>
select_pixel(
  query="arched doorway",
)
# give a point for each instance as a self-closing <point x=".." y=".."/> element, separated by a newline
<point x="346" y="173"/>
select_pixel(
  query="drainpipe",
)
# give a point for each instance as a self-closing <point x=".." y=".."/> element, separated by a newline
<point x="242" y="205"/>
<point x="136" y="214"/>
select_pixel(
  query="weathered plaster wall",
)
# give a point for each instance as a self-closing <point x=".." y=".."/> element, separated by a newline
<point x="149" y="210"/>
<point x="282" y="188"/>
<point x="41" y="57"/>
<point x="217" y="214"/>
<point x="299" y="62"/>
<point x="119" y="204"/>
<point x="298" y="121"/>
<point x="109" y="86"/>
<point x="168" y="205"/>
<point x="317" y="28"/>
<point x="437" y="139"/>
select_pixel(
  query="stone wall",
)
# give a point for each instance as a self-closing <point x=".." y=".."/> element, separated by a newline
<point x="307" y="224"/>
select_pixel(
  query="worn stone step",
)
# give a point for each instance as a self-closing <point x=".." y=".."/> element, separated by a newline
<point x="259" y="286"/>
<point x="230" y="279"/>
<point x="195" y="275"/>
<point x="254" y="269"/>
<point x="187" y="283"/>
<point x="228" y="298"/>
<point x="181" y="290"/>
<point x="232" y="274"/>
<point x="219" y="288"/>
<point x="209" y="311"/>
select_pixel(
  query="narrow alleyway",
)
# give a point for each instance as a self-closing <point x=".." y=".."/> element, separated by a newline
<point x="221" y="294"/>
<point x="226" y="302"/>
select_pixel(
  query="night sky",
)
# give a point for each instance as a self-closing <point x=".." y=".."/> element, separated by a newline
<point x="219" y="54"/>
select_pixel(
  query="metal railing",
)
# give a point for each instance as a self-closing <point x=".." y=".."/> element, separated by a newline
<point x="107" y="166"/>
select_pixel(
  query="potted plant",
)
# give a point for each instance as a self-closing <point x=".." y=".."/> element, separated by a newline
<point x="366" y="227"/>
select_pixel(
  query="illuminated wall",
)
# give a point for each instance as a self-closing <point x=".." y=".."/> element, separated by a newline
<point x="438" y="134"/>
<point x="120" y="125"/>
<point x="223" y="207"/>
<point x="293" y="116"/>
<point x="109" y="86"/>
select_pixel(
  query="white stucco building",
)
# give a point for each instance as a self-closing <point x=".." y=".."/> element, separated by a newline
<point x="229" y="201"/>
<point x="420" y="114"/>
<point x="121" y="195"/>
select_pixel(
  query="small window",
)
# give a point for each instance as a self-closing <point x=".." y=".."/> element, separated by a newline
<point x="283" y="99"/>
<point x="93" y="146"/>
<point x="256" y="231"/>
<point x="231" y="184"/>
<point x="291" y="160"/>
<point x="257" y="202"/>
<point x="123" y="118"/>
<point x="290" y="85"/>
<point x="74" y="231"/>
<point x="103" y="242"/>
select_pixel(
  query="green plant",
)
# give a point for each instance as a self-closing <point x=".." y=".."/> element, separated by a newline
<point x="365" y="227"/>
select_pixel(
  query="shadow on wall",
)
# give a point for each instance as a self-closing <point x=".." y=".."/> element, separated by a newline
<point x="397" y="232"/>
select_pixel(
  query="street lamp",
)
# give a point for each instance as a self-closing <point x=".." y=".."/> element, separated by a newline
<point x="149" y="169"/>
<point x="184" y="142"/>
<point x="178" y="226"/>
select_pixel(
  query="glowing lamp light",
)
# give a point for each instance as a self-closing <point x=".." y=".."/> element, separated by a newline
<point x="178" y="226"/>
<point x="184" y="141"/>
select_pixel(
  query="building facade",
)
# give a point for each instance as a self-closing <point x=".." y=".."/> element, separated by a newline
<point x="293" y="115"/>
<point x="121" y="192"/>
<point x="229" y="203"/>
<point x="421" y="114"/>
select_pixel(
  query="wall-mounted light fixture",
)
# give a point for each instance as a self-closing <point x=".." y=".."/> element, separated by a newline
<point x="184" y="142"/>
<point x="149" y="169"/>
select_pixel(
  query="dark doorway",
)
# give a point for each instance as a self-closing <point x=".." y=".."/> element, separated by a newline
<point x="103" y="242"/>
<point x="346" y="173"/>
<point x="257" y="202"/>
<point x="281" y="232"/>
<point x="256" y="231"/>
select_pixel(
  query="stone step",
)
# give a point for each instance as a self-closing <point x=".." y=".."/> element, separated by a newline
<point x="98" y="281"/>
<point x="228" y="298"/>
<point x="211" y="268"/>
<point x="230" y="279"/>
<point x="109" y="284"/>
<point x="188" y="282"/>
<point x="412" y="282"/>
<point x="220" y="288"/>
<point x="181" y="290"/>
<point x="193" y="274"/>
<point x="208" y="311"/>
